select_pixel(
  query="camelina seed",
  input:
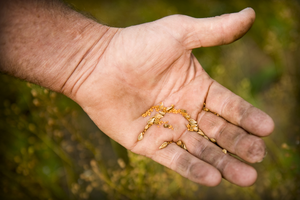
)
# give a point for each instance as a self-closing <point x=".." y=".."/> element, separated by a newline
<point x="192" y="121"/>
<point x="200" y="133"/>
<point x="141" y="136"/>
<point x="213" y="140"/>
<point x="179" y="142"/>
<point x="164" y="145"/>
<point x="161" y="111"/>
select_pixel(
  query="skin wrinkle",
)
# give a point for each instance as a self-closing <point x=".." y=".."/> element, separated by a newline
<point x="218" y="132"/>
<point x="180" y="88"/>
<point x="199" y="41"/>
<point x="243" y="114"/>
<point x="191" y="69"/>
<point x="249" y="152"/>
<point x="216" y="162"/>
<point x="237" y="140"/>
<point x="96" y="64"/>
<point x="179" y="57"/>
<point x="221" y="130"/>
<point x="168" y="30"/>
<point x="222" y="31"/>
<point x="207" y="92"/>
<point x="174" y="159"/>
<point x="184" y="164"/>
<point x="199" y="117"/>
<point x="200" y="151"/>
<point x="169" y="69"/>
<point x="224" y="167"/>
<point x="219" y="163"/>
<point x="224" y="104"/>
<point x="184" y="132"/>
<point x="173" y="136"/>
<point x="77" y="66"/>
<point x="131" y="101"/>
<point x="186" y="81"/>
<point x="252" y="150"/>
<point x="186" y="84"/>
<point x="194" y="172"/>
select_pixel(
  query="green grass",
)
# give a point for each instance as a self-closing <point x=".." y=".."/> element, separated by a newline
<point x="50" y="149"/>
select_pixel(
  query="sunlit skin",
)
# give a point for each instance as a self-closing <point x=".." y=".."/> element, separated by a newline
<point x="128" y="70"/>
<point x="151" y="63"/>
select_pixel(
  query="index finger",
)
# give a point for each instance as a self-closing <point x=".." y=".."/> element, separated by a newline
<point x="238" y="111"/>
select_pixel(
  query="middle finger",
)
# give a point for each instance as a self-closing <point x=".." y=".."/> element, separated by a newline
<point x="231" y="168"/>
<point x="233" y="138"/>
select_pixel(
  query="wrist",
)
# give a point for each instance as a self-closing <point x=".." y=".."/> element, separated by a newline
<point x="86" y="56"/>
<point x="49" y="44"/>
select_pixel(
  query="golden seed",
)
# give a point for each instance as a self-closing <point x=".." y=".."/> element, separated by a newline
<point x="158" y="116"/>
<point x="146" y="127"/>
<point x="151" y="121"/>
<point x="195" y="129"/>
<point x="161" y="106"/>
<point x="162" y="113"/>
<point x="179" y="142"/>
<point x="141" y="136"/>
<point x="224" y="151"/>
<point x="164" y="145"/>
<point x="192" y="121"/>
<point x="193" y="125"/>
<point x="206" y="137"/>
<point x="187" y="116"/>
<point x="204" y="104"/>
<point x="218" y="115"/>
<point x="206" y="109"/>
<point x="156" y="121"/>
<point x="200" y="132"/>
<point x="166" y="125"/>
<point x="182" y="110"/>
<point x="184" y="147"/>
<point x="170" y="108"/>
<point x="213" y="140"/>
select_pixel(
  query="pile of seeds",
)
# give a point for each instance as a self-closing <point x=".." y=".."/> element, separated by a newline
<point x="162" y="111"/>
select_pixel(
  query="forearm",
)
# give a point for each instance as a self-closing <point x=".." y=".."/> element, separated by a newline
<point x="49" y="44"/>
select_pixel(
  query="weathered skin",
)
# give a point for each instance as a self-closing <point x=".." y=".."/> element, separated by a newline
<point x="116" y="74"/>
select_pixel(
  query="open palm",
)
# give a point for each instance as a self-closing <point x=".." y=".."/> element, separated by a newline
<point x="147" y="64"/>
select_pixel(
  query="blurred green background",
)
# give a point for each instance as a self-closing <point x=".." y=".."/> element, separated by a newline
<point x="50" y="149"/>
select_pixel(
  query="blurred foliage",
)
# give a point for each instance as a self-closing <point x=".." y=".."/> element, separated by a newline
<point x="51" y="150"/>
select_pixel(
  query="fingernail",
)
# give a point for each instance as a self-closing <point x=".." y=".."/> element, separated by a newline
<point x="248" y="8"/>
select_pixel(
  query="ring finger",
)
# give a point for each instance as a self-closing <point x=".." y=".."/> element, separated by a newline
<point x="231" y="168"/>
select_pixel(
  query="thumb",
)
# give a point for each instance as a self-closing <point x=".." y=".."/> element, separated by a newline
<point x="206" y="32"/>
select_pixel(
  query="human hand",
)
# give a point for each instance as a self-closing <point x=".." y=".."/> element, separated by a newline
<point x="147" y="64"/>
